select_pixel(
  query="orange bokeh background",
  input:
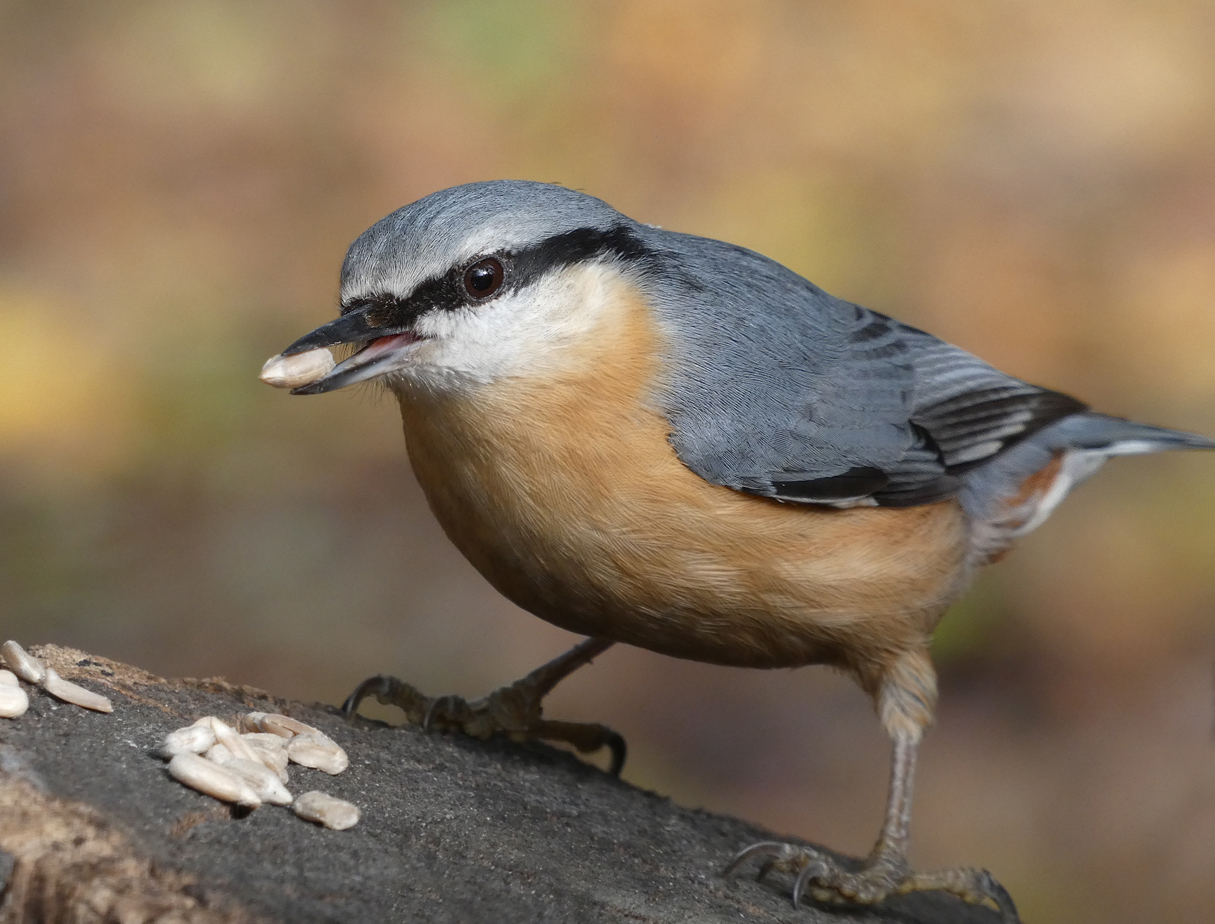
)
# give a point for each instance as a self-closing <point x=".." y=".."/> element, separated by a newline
<point x="1034" y="181"/>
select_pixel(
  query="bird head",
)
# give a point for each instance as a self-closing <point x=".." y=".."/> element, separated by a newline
<point x="473" y="283"/>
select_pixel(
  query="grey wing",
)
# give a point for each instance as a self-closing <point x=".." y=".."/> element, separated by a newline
<point x="816" y="400"/>
<point x="968" y="413"/>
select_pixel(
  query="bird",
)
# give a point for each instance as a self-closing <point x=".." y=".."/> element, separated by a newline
<point x="653" y="438"/>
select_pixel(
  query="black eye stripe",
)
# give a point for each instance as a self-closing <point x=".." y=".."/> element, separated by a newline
<point x="449" y="291"/>
<point x="579" y="245"/>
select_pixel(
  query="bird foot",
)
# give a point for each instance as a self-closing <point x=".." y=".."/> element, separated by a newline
<point x="514" y="711"/>
<point x="881" y="876"/>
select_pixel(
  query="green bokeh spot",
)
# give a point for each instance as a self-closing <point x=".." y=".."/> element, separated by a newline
<point x="510" y="47"/>
<point x="969" y="626"/>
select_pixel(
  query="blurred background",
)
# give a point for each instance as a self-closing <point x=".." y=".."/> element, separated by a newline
<point x="1034" y="181"/>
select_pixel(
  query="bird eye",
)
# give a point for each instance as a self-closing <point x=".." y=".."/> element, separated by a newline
<point x="484" y="278"/>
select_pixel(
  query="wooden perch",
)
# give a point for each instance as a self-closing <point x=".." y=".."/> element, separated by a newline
<point x="92" y="829"/>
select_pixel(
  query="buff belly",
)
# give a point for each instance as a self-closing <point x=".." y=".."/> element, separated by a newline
<point x="564" y="493"/>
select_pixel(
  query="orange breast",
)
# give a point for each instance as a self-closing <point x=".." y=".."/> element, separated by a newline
<point x="566" y="495"/>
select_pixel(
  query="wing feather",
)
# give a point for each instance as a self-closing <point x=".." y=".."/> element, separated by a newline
<point x="811" y="399"/>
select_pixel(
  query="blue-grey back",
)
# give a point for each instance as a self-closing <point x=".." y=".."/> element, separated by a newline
<point x="780" y="389"/>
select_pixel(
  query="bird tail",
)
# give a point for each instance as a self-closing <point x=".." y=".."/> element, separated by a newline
<point x="1114" y="436"/>
<point x="1079" y="444"/>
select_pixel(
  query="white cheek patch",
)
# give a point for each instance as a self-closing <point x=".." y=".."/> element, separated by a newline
<point x="526" y="332"/>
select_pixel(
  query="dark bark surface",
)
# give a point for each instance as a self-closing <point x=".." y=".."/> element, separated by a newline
<point x="453" y="829"/>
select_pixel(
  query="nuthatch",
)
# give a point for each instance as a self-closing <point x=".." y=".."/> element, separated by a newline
<point x="654" y="438"/>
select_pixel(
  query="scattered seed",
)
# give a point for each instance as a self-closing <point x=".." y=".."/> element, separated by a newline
<point x="219" y="754"/>
<point x="73" y="693"/>
<point x="266" y="740"/>
<point x="194" y="739"/>
<point x="24" y="665"/>
<point x="282" y="725"/>
<point x="8" y="679"/>
<point x="319" y="752"/>
<point x="261" y="779"/>
<point x="13" y="700"/>
<point x="263" y="723"/>
<point x="307" y="745"/>
<point x="300" y="369"/>
<point x="228" y="736"/>
<point x="212" y="779"/>
<point x="249" y="722"/>
<point x="326" y="810"/>
<point x="271" y="750"/>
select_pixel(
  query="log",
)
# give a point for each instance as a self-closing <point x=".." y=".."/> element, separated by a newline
<point x="453" y="829"/>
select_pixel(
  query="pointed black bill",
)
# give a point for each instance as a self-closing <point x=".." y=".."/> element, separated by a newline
<point x="382" y="343"/>
<point x="355" y="327"/>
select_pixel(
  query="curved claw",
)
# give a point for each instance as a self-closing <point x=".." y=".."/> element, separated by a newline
<point x="773" y="849"/>
<point x="809" y="871"/>
<point x="998" y="894"/>
<point x="584" y="736"/>
<point x="615" y="743"/>
<point x="391" y="692"/>
<point x="372" y="686"/>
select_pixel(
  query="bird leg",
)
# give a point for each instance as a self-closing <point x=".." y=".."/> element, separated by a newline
<point x="514" y="710"/>
<point x="905" y="712"/>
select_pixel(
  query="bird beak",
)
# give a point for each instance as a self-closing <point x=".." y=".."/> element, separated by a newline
<point x="383" y="349"/>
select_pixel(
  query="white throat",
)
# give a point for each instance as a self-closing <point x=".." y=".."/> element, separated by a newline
<point x="534" y="331"/>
